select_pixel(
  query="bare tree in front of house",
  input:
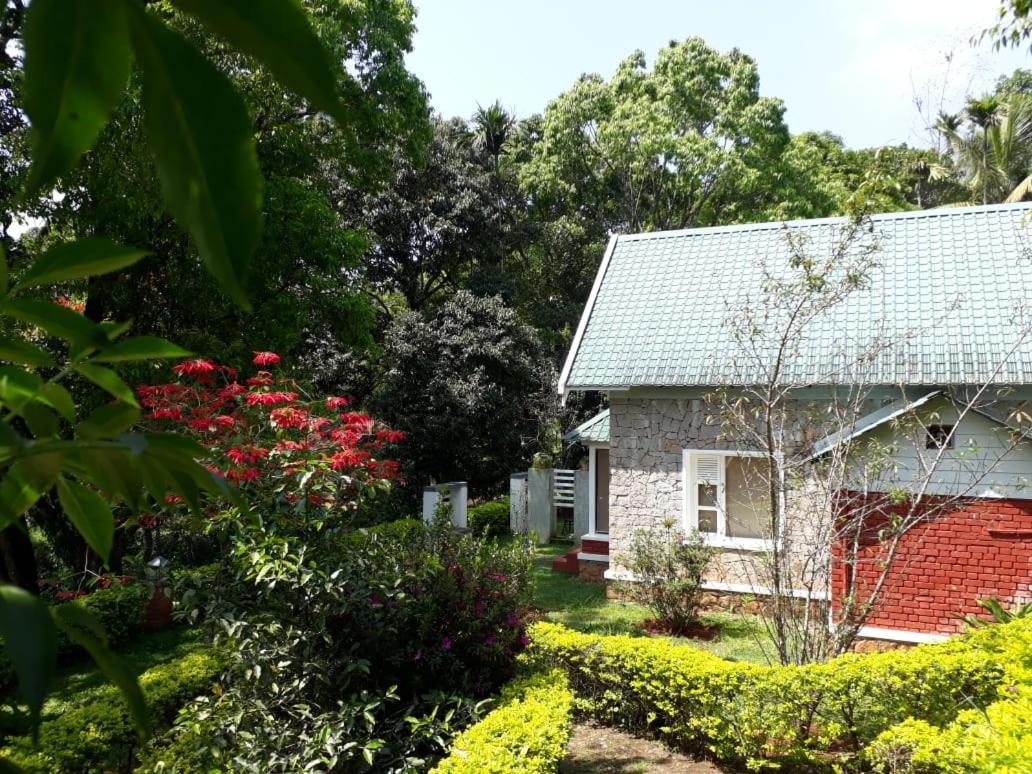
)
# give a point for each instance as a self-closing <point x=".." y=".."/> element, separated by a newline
<point x="827" y="503"/>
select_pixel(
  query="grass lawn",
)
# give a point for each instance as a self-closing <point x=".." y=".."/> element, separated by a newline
<point x="583" y="606"/>
<point x="74" y="682"/>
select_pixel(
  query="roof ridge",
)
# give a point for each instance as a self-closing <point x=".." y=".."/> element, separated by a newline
<point x="935" y="212"/>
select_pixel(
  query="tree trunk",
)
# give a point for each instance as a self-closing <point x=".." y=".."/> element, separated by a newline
<point x="17" y="557"/>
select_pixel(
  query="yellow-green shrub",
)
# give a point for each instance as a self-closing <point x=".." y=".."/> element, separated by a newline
<point x="98" y="735"/>
<point x="527" y="734"/>
<point x="998" y="739"/>
<point x="815" y="715"/>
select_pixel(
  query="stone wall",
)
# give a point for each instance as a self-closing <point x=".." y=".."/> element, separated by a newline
<point x="648" y="437"/>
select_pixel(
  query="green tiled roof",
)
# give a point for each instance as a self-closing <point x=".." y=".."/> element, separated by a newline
<point x="595" y="430"/>
<point x="946" y="288"/>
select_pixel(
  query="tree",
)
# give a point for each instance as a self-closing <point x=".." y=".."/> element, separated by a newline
<point x="433" y="225"/>
<point x="305" y="275"/>
<point x="689" y="143"/>
<point x="472" y="389"/>
<point x="994" y="156"/>
<point x="78" y="56"/>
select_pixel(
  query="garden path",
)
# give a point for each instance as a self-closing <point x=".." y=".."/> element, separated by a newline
<point x="596" y="749"/>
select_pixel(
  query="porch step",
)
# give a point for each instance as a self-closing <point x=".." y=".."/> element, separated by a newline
<point x="567" y="563"/>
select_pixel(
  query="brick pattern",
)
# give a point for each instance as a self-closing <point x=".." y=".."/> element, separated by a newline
<point x="981" y="549"/>
<point x="595" y="547"/>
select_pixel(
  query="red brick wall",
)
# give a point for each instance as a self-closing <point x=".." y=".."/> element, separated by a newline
<point x="980" y="548"/>
<point x="595" y="547"/>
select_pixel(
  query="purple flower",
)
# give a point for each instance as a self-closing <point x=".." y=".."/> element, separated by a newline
<point x="418" y="656"/>
<point x="490" y="640"/>
<point x="446" y="643"/>
<point x="512" y="620"/>
<point x="374" y="600"/>
<point x="480" y="607"/>
<point x="524" y="640"/>
<point x="497" y="576"/>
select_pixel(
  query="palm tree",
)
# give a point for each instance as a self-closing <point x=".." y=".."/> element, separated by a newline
<point x="492" y="129"/>
<point x="995" y="154"/>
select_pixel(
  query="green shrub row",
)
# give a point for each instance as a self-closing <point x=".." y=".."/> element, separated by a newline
<point x="998" y="739"/>
<point x="119" y="609"/>
<point x="98" y="735"/>
<point x="490" y="518"/>
<point x="817" y="716"/>
<point x="526" y="734"/>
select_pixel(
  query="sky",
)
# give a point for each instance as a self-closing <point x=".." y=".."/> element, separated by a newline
<point x="853" y="67"/>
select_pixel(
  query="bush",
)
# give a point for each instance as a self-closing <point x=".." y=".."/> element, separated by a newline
<point x="120" y="610"/>
<point x="526" y="734"/>
<point x="490" y="518"/>
<point x="819" y="715"/>
<point x="372" y="644"/>
<point x="99" y="734"/>
<point x="998" y="739"/>
<point x="668" y="569"/>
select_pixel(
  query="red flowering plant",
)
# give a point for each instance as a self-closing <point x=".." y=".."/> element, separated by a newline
<point x="301" y="457"/>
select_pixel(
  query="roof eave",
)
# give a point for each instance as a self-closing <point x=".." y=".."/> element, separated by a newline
<point x="582" y="325"/>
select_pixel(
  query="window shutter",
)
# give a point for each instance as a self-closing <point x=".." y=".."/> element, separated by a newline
<point x="708" y="468"/>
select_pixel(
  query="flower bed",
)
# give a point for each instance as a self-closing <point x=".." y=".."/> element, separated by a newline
<point x="817" y="716"/>
<point x="526" y="734"/>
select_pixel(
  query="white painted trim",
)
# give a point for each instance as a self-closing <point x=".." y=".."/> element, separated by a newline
<point x="599" y="537"/>
<point x="899" y="635"/>
<point x="689" y="493"/>
<point x="585" y="557"/>
<point x="592" y="473"/>
<point x="588" y="308"/>
<point x="736" y="588"/>
<point x="737" y="544"/>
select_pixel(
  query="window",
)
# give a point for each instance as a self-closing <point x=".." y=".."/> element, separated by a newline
<point x="726" y="497"/>
<point x="939" y="437"/>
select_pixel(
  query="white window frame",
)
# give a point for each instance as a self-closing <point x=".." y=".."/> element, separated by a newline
<point x="690" y="492"/>
<point x="594" y="534"/>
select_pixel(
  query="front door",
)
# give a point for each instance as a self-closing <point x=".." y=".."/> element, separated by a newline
<point x="602" y="491"/>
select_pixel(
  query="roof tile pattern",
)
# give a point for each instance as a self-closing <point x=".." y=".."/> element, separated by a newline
<point x="947" y="291"/>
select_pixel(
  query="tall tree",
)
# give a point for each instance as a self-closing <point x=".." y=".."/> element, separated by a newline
<point x="471" y="386"/>
<point x="435" y="223"/>
<point x="991" y="145"/>
<point x="688" y="143"/>
<point x="305" y="279"/>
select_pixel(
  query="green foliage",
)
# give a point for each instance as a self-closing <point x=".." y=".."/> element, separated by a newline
<point x="668" y="567"/>
<point x="78" y="57"/>
<point x="470" y="386"/>
<point x="818" y="715"/>
<point x="490" y="518"/>
<point x="998" y="738"/>
<point x="375" y="644"/>
<point x="526" y="734"/>
<point x="118" y="609"/>
<point x="998" y="613"/>
<point x="99" y="733"/>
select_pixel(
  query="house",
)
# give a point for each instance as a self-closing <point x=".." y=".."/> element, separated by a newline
<point x="930" y="353"/>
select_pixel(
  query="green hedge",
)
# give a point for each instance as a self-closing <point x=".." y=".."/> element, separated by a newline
<point x="816" y="716"/>
<point x="998" y="739"/>
<point x="526" y="734"/>
<point x="490" y="518"/>
<point x="399" y="530"/>
<point x="98" y="734"/>
<point x="120" y="610"/>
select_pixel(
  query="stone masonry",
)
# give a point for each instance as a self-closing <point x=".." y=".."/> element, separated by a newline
<point x="647" y="439"/>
